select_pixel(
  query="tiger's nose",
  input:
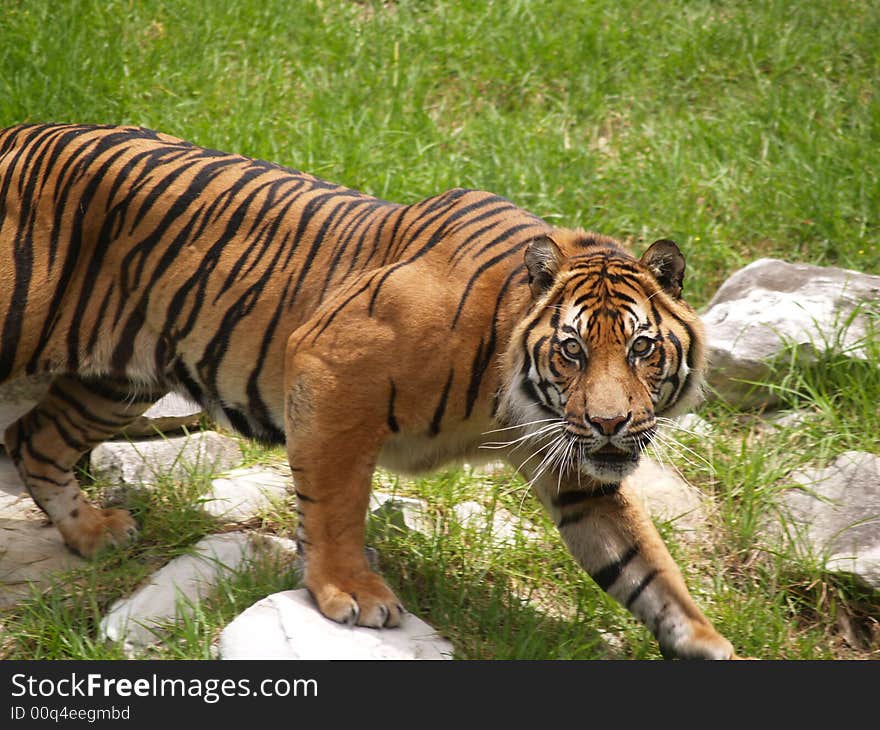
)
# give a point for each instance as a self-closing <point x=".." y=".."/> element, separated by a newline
<point x="610" y="426"/>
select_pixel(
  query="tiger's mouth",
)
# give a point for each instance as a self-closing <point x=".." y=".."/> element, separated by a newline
<point x="608" y="463"/>
<point x="610" y="454"/>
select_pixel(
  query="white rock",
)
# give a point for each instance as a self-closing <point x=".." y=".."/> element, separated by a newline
<point x="487" y="468"/>
<point x="834" y="514"/>
<point x="288" y="625"/>
<point x="669" y="498"/>
<point x="405" y="512"/>
<point x="504" y="528"/>
<point x="279" y="547"/>
<point x="246" y="492"/>
<point x="693" y="424"/>
<point x="173" y="589"/>
<point x="770" y="302"/>
<point x="138" y="463"/>
<point x="791" y="419"/>
<point x="31" y="549"/>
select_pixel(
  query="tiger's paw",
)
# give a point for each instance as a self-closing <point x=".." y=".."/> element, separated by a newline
<point x="701" y="642"/>
<point x="362" y="599"/>
<point x="88" y="530"/>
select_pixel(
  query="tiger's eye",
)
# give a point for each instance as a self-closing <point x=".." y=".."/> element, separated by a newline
<point x="572" y="348"/>
<point x="641" y="346"/>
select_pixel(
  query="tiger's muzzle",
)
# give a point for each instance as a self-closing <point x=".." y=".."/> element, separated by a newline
<point x="608" y="449"/>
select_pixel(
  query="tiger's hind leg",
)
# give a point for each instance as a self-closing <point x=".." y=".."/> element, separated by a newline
<point x="46" y="443"/>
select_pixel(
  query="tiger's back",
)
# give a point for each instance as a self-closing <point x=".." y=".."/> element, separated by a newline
<point x="143" y="257"/>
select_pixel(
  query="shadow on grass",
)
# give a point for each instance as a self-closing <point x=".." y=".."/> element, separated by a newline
<point x="491" y="612"/>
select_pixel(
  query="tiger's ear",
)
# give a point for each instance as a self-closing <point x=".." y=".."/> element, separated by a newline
<point x="666" y="263"/>
<point x="543" y="259"/>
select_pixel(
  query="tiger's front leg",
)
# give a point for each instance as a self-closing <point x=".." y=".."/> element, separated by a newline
<point x="611" y="536"/>
<point x="333" y="442"/>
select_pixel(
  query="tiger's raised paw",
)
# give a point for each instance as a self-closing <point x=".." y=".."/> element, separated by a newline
<point x="362" y="600"/>
<point x="88" y="530"/>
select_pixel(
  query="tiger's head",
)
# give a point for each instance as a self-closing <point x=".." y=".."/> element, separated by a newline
<point x="606" y="347"/>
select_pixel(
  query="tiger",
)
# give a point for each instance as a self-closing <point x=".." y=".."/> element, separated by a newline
<point x="354" y="331"/>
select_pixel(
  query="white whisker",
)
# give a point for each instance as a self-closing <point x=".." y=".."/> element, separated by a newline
<point x="525" y="437"/>
<point x="537" y="451"/>
<point x="675" y="426"/>
<point x="525" y="425"/>
<point x="548" y="460"/>
<point x="679" y="449"/>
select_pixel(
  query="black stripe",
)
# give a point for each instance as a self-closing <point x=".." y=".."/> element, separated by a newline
<point x="120" y="391"/>
<point x="338" y="309"/>
<point x="675" y="379"/>
<point x="98" y="326"/>
<point x="267" y="234"/>
<point x="42" y="458"/>
<point x="487" y="265"/>
<point x="304" y="497"/>
<point x="434" y="428"/>
<point x="607" y="576"/>
<point x="239" y="421"/>
<point x="71" y="442"/>
<point x="576" y="496"/>
<point x="56" y="392"/>
<point x="183" y="377"/>
<point x="392" y="237"/>
<point x="309" y="211"/>
<point x="441" y="205"/>
<point x="361" y="215"/>
<point x="474" y="237"/>
<point x="571" y="518"/>
<point x="645" y="582"/>
<point x="104" y="241"/>
<point x="258" y="411"/>
<point x="483" y="356"/>
<point x="392" y="419"/>
<point x="436" y="237"/>
<point x="54" y="482"/>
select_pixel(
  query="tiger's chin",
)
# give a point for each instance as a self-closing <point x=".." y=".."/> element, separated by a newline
<point x="608" y="465"/>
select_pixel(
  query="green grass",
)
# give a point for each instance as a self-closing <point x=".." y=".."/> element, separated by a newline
<point x="740" y="129"/>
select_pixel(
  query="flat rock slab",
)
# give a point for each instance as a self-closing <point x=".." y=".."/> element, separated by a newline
<point x="288" y="625"/>
<point x="138" y="463"/>
<point x="31" y="549"/>
<point x="174" y="589"/>
<point x="669" y="498"/>
<point x="244" y="493"/>
<point x="834" y="513"/>
<point x="171" y="413"/>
